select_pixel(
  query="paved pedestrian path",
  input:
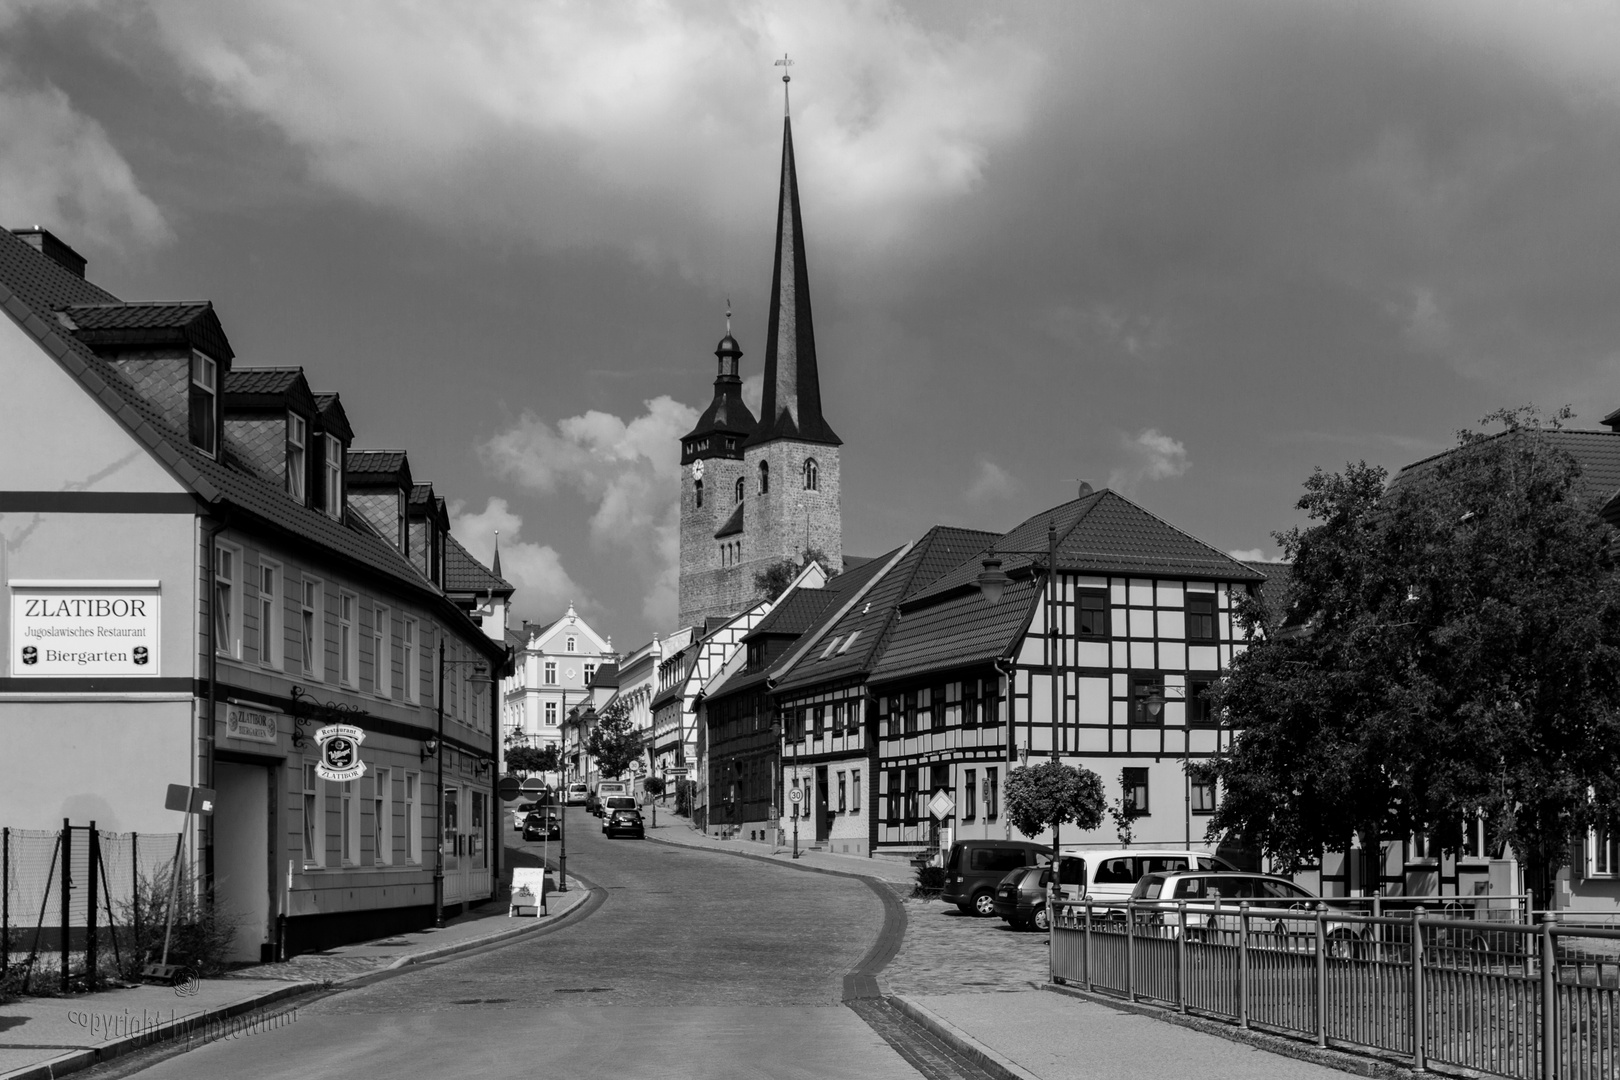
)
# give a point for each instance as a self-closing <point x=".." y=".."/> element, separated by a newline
<point x="1036" y="1035"/>
<point x="49" y="1037"/>
<point x="678" y="830"/>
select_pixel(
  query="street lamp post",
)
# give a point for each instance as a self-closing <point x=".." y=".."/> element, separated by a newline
<point x="992" y="583"/>
<point x="478" y="677"/>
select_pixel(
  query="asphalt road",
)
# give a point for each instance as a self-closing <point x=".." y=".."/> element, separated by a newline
<point x="695" y="964"/>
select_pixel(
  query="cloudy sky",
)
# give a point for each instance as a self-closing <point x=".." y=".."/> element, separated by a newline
<point x="1189" y="250"/>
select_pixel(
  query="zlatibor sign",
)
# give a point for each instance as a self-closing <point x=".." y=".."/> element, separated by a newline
<point x="63" y="630"/>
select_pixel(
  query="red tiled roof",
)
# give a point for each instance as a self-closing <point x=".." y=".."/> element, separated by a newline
<point x="268" y="380"/>
<point x="959" y="631"/>
<point x="463" y="573"/>
<point x="1596" y="452"/>
<point x="380" y="462"/>
<point x="190" y="322"/>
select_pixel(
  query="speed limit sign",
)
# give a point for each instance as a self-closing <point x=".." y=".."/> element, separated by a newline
<point x="793" y="796"/>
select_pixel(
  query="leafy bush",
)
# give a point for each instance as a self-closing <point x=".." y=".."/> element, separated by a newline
<point x="200" y="941"/>
<point x="685" y="796"/>
<point x="930" y="882"/>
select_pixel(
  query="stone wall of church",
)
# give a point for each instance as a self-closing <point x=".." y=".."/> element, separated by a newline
<point x="709" y="583"/>
<point x="782" y="520"/>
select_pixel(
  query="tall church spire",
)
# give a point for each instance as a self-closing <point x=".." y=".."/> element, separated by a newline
<point x="791" y="403"/>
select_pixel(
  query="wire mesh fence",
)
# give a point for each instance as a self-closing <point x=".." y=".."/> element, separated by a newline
<point x="77" y="904"/>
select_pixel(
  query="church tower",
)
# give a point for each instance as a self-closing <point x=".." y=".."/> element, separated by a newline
<point x="768" y="489"/>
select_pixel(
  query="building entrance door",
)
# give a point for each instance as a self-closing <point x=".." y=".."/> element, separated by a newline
<point x="242" y="855"/>
<point x="823" y="806"/>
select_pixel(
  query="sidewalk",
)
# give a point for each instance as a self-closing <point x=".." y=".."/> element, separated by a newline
<point x="1035" y="1035"/>
<point x="673" y="829"/>
<point x="47" y="1037"/>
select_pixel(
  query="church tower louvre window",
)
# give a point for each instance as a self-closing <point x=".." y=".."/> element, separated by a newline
<point x="790" y="436"/>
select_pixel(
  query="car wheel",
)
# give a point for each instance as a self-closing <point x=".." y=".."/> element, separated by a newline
<point x="1041" y="921"/>
<point x="984" y="904"/>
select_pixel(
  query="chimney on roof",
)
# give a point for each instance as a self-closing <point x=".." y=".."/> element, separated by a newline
<point x="48" y="244"/>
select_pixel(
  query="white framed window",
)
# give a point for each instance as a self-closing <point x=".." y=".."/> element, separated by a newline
<point x="590" y="673"/>
<point x="348" y="639"/>
<point x="551" y="714"/>
<point x="297" y="455"/>
<point x="571" y="645"/>
<point x="412" y="673"/>
<point x="333" y="465"/>
<point x="271" y="635"/>
<point x="203" y="406"/>
<point x="551" y="673"/>
<point x="413" y="817"/>
<point x="1604" y="848"/>
<point x="350" y="823"/>
<point x="314" y="820"/>
<point x="227" y="601"/>
<point x="312" y="627"/>
<point x="382" y="818"/>
<point x="855" y="791"/>
<point x="382" y="650"/>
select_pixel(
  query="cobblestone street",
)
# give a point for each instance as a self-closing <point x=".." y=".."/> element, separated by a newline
<point x="946" y="952"/>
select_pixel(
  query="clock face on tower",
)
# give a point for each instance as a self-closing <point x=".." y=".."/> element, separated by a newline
<point x="697" y="470"/>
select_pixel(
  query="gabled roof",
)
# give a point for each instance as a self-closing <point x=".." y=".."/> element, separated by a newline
<point x="1597" y="453"/>
<point x="1100" y="533"/>
<point x="733" y="525"/>
<point x="606" y="675"/>
<point x="463" y="573"/>
<point x="379" y="465"/>
<point x="960" y="630"/>
<point x="333" y="417"/>
<point x="32" y="284"/>
<point x="187" y="322"/>
<point x="268" y="388"/>
<point x="872" y="619"/>
<point x="794" y="614"/>
<point x="542" y="631"/>
<point x="1274" y="590"/>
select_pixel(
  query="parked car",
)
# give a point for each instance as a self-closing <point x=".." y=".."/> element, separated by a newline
<point x="1021" y="897"/>
<point x="1212" y="901"/>
<point x="612" y="787"/>
<point x="593" y="804"/>
<point x="542" y="825"/>
<point x="621" y="822"/>
<point x="974" y="868"/>
<point x="577" y="794"/>
<point x="1103" y="875"/>
<point x="612" y="803"/>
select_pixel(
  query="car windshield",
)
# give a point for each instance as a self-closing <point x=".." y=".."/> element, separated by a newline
<point x="1148" y="888"/>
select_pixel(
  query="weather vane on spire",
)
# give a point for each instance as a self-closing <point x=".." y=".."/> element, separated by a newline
<point x="728" y="315"/>
<point x="784" y="64"/>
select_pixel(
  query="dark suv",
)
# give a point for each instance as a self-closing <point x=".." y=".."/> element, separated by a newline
<point x="1021" y="898"/>
<point x="974" y="867"/>
<point x="624" y="822"/>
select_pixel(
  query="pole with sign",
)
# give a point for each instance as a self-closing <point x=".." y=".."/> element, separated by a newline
<point x="190" y="800"/>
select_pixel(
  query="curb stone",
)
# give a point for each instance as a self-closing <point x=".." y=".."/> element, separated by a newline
<point x="962" y="1042"/>
<point x="1342" y="1060"/>
<point x="577" y="894"/>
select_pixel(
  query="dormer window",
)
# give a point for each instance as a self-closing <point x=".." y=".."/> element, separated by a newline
<point x="204" y="404"/>
<point x="764" y="478"/>
<point x="297" y="455"/>
<point x="334" y="476"/>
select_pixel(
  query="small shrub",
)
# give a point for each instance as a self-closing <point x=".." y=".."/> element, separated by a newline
<point x="930" y="882"/>
<point x="201" y="939"/>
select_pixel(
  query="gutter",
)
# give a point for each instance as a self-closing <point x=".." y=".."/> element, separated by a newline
<point x="210" y="537"/>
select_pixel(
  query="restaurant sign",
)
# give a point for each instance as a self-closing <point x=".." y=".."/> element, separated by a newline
<point x="67" y="629"/>
<point x="252" y="725"/>
<point x="340" y="752"/>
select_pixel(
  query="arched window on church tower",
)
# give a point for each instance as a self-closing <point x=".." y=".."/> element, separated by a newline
<point x="811" y="474"/>
<point x="698" y="486"/>
<point x="742" y="489"/>
<point x="764" y="477"/>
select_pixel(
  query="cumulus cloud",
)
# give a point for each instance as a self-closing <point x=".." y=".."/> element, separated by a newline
<point x="1153" y="456"/>
<point x="646" y="126"/>
<point x="1252" y="555"/>
<point x="1119" y="330"/>
<point x="990" y="481"/>
<point x="629" y="470"/>
<point x="544" y="588"/>
<point x="60" y="170"/>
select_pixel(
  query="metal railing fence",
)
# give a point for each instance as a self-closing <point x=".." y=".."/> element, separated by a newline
<point x="1531" y="1001"/>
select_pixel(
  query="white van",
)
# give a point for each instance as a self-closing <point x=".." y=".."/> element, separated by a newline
<point x="604" y="788"/>
<point x="577" y="794"/>
<point x="1107" y="876"/>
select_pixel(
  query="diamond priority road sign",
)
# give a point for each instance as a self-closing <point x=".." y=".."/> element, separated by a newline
<point x="941" y="805"/>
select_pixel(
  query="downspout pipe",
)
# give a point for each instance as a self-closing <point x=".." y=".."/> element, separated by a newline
<point x="207" y="823"/>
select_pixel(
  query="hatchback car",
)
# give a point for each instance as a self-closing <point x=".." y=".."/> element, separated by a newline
<point x="542" y="825"/>
<point x="624" y="823"/>
<point x="1021" y="897"/>
<point x="1213" y="903"/>
<point x="611" y="803"/>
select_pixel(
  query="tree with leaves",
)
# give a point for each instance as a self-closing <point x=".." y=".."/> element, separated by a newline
<point x="1452" y="652"/>
<point x="772" y="581"/>
<point x="533" y="759"/>
<point x="1050" y="795"/>
<point x="614" y="741"/>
